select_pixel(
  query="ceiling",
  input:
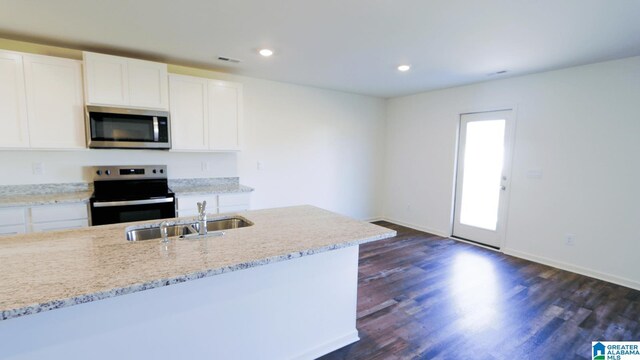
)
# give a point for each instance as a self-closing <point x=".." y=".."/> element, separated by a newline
<point x="347" y="45"/>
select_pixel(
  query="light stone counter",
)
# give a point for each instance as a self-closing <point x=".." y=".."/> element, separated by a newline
<point x="49" y="194"/>
<point x="44" y="194"/>
<point x="45" y="271"/>
<point x="208" y="186"/>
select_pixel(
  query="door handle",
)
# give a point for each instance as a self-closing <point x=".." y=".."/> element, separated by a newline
<point x="503" y="188"/>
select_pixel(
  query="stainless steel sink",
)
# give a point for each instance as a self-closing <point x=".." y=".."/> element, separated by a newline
<point x="155" y="233"/>
<point x="215" y="227"/>
<point x="225" y="224"/>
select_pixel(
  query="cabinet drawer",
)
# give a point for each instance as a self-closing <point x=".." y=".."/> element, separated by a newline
<point x="12" y="216"/>
<point x="191" y="202"/>
<point x="236" y="208"/>
<point x="41" y="214"/>
<point x="12" y="230"/>
<point x="60" y="225"/>
<point x="234" y="200"/>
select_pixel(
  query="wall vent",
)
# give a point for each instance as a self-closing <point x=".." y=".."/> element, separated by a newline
<point x="497" y="73"/>
<point x="228" y="59"/>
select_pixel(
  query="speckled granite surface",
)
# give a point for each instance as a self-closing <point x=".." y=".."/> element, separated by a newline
<point x="205" y="186"/>
<point x="44" y="194"/>
<point x="46" y="271"/>
<point x="47" y="194"/>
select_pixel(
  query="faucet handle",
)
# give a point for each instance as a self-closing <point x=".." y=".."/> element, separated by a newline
<point x="202" y="206"/>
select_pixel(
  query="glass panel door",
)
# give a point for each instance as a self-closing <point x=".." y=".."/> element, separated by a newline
<point x="482" y="176"/>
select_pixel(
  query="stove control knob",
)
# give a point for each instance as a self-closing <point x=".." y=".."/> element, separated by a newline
<point x="155" y="171"/>
<point x="99" y="172"/>
<point x="108" y="172"/>
<point x="161" y="171"/>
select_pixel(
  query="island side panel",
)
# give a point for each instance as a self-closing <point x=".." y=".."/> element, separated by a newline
<point x="296" y="309"/>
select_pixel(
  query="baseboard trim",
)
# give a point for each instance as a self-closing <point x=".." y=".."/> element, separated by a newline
<point x="329" y="346"/>
<point x="416" y="227"/>
<point x="574" y="268"/>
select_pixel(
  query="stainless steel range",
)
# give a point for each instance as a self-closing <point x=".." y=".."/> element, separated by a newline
<point x="131" y="193"/>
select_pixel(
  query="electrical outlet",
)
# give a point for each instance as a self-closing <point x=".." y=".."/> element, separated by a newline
<point x="260" y="165"/>
<point x="408" y="207"/>
<point x="570" y="239"/>
<point x="37" y="168"/>
<point x="204" y="166"/>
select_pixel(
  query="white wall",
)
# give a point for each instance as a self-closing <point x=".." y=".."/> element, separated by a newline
<point x="318" y="147"/>
<point x="16" y="167"/>
<point x="580" y="126"/>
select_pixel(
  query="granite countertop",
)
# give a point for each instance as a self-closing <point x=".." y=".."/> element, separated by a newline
<point x="48" y="194"/>
<point x="207" y="186"/>
<point x="44" y="194"/>
<point x="46" y="271"/>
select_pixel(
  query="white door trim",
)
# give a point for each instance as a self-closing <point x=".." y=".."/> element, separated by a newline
<point x="508" y="161"/>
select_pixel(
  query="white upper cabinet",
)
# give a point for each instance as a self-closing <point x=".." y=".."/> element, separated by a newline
<point x="54" y="102"/>
<point x="13" y="103"/>
<point x="40" y="102"/>
<point x="119" y="81"/>
<point x="189" y="112"/>
<point x="106" y="79"/>
<point x="206" y="115"/>
<point x="148" y="84"/>
<point x="225" y="113"/>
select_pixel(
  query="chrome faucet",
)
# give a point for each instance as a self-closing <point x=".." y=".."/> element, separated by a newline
<point x="163" y="231"/>
<point x="202" y="218"/>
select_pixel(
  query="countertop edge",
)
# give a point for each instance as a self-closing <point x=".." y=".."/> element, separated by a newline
<point x="86" y="298"/>
<point x="242" y="190"/>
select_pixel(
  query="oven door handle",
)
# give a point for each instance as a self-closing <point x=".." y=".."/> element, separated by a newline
<point x="132" y="202"/>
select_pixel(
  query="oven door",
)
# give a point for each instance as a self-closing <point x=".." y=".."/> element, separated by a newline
<point x="112" y="212"/>
<point x="127" y="128"/>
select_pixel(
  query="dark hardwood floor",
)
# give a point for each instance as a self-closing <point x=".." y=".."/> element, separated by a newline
<point x="426" y="297"/>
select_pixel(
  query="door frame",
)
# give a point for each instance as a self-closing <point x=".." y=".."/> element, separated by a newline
<point x="510" y="152"/>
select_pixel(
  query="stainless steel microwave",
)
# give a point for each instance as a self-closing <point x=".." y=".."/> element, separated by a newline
<point x="120" y="128"/>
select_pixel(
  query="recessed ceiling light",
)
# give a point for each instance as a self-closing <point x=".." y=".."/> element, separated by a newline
<point x="266" y="52"/>
<point x="404" y="68"/>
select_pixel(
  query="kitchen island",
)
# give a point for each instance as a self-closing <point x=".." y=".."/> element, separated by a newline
<point x="252" y="293"/>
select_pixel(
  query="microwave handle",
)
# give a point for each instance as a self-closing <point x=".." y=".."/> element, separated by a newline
<point x="156" y="129"/>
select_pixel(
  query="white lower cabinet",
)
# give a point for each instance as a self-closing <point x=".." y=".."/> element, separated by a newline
<point x="59" y="225"/>
<point x="12" y="230"/>
<point x="20" y="220"/>
<point x="233" y="202"/>
<point x="216" y="204"/>
<point x="188" y="205"/>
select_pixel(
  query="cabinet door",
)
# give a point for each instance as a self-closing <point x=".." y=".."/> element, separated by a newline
<point x="12" y="230"/>
<point x="12" y="216"/>
<point x="59" y="212"/>
<point x="106" y="79"/>
<point x="148" y="84"/>
<point x="54" y="102"/>
<point x="60" y="225"/>
<point x="225" y="115"/>
<point x="13" y="106"/>
<point x="189" y="113"/>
